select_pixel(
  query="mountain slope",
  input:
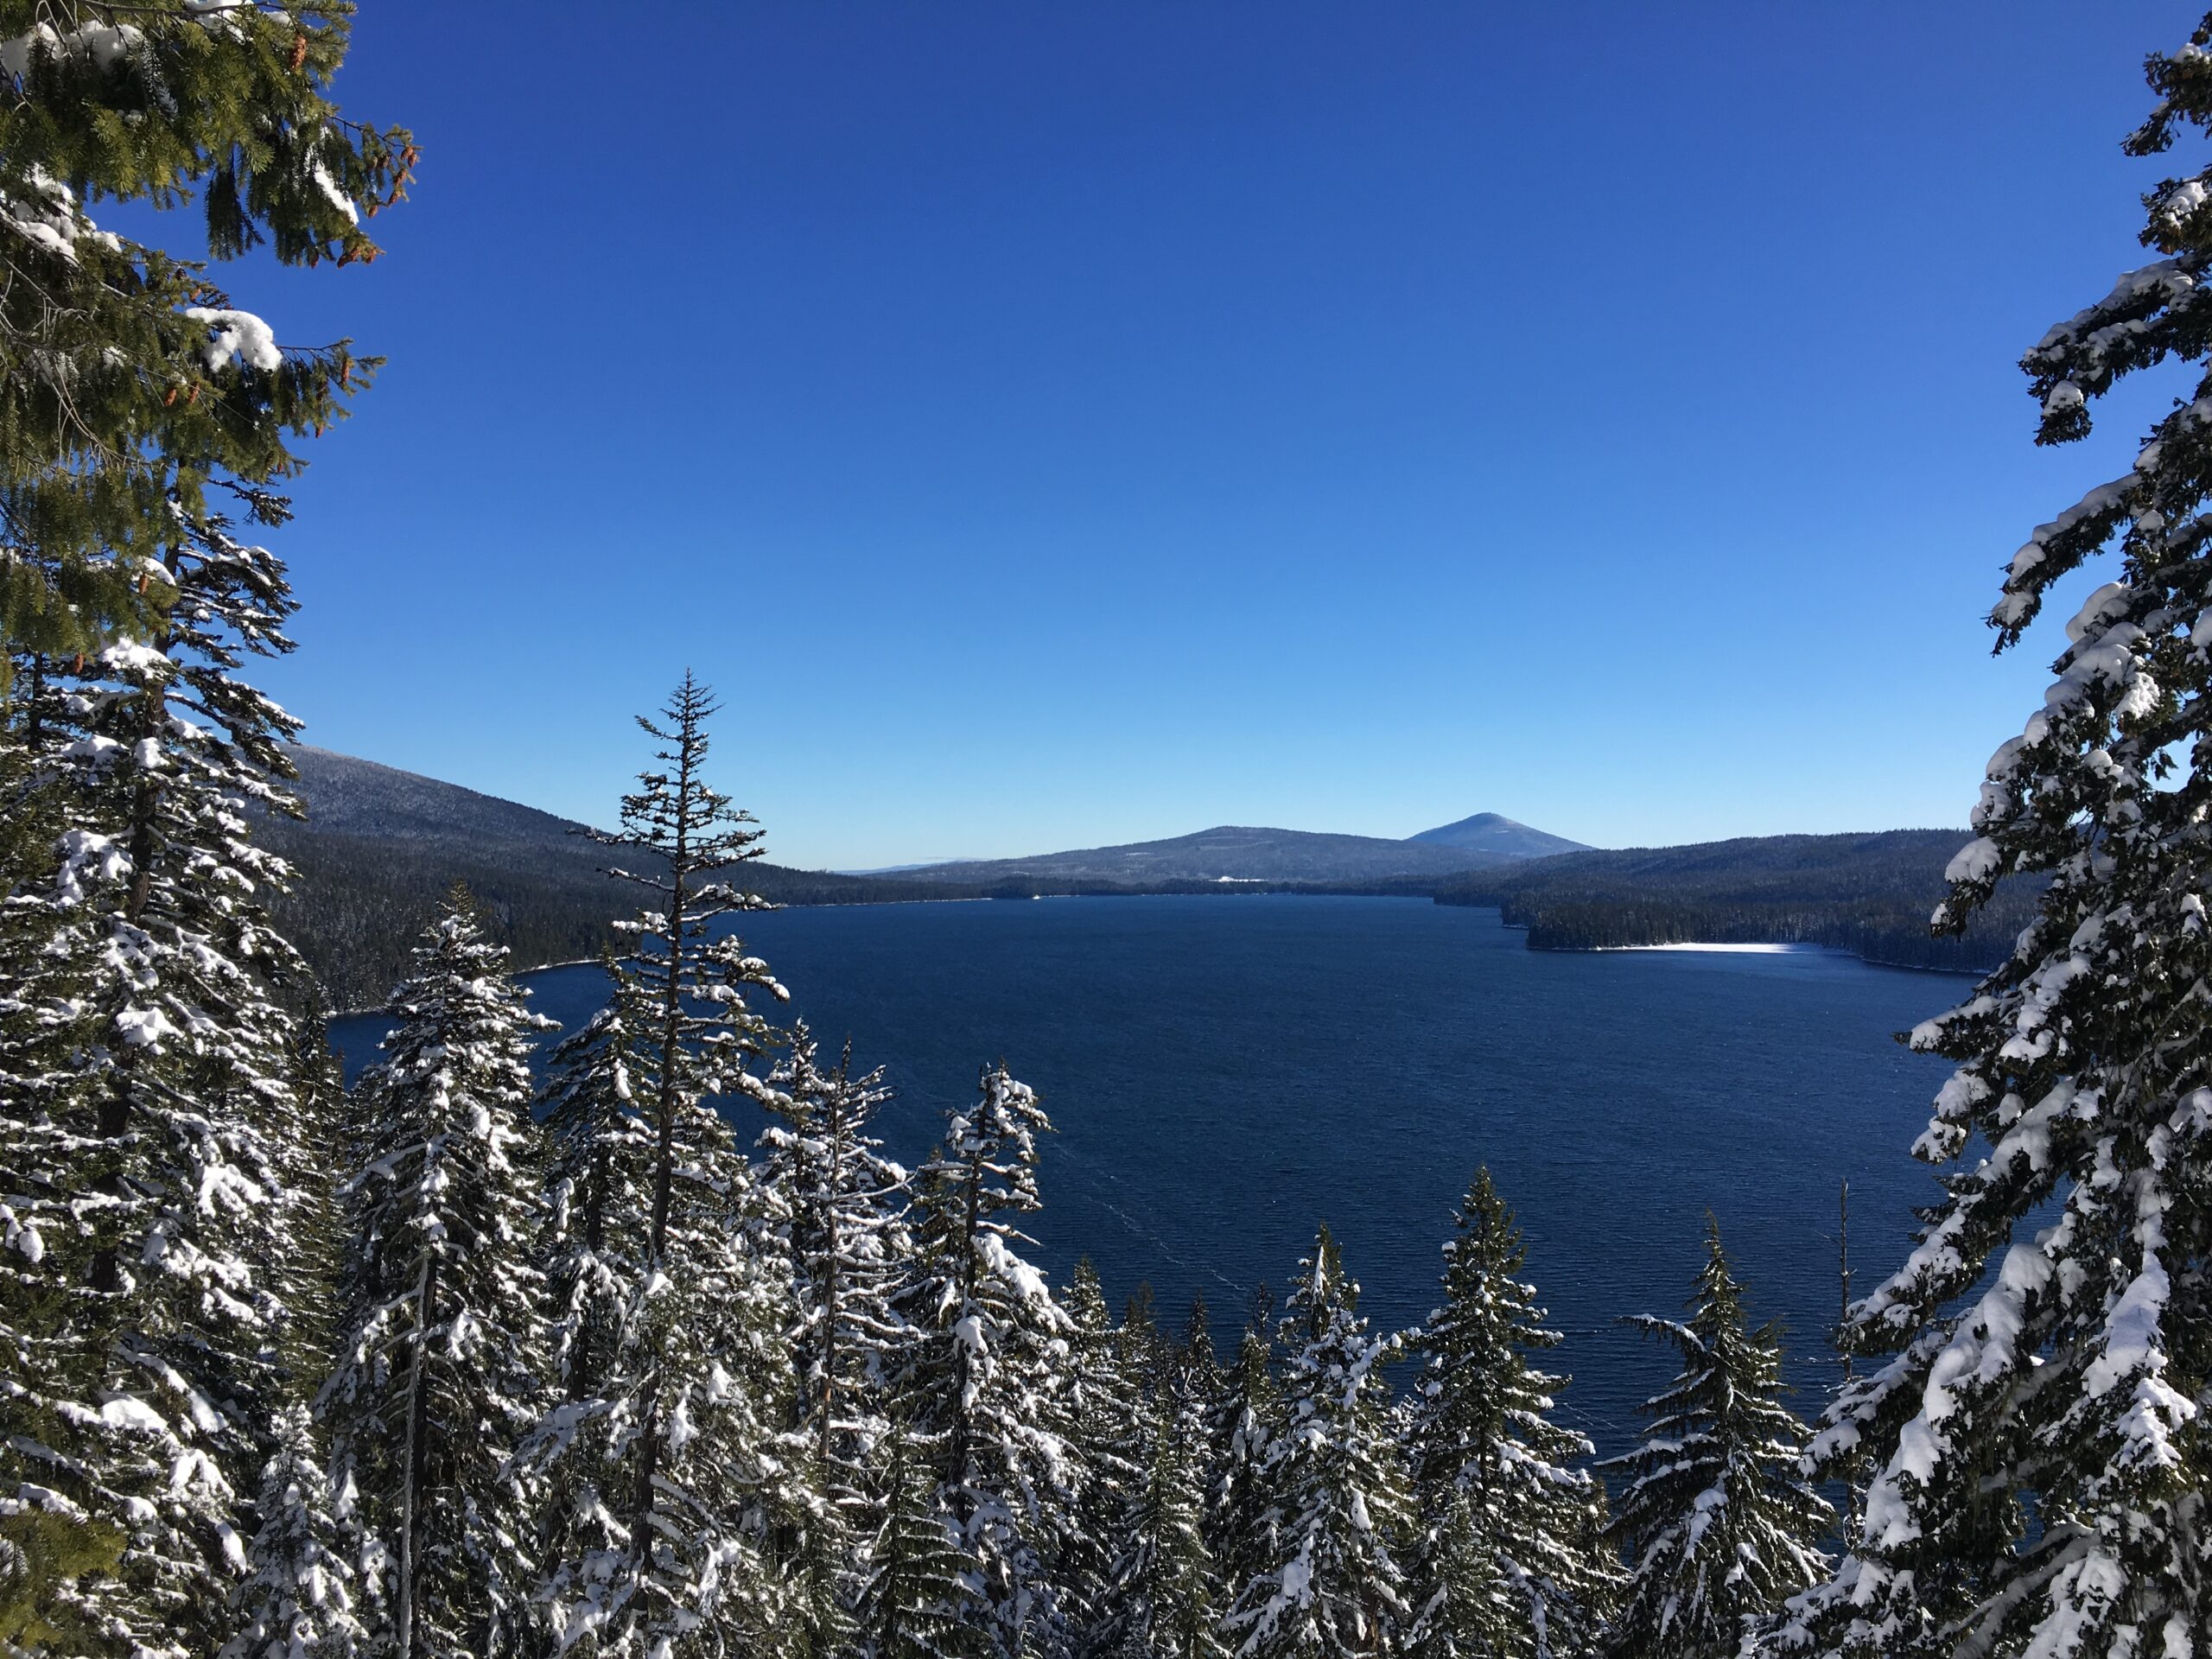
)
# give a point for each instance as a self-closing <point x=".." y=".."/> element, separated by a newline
<point x="1492" y="832"/>
<point x="1227" y="853"/>
<point x="379" y="846"/>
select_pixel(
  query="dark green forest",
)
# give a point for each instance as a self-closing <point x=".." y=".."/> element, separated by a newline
<point x="1871" y="895"/>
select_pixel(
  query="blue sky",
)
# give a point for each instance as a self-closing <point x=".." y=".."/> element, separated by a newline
<point x="1051" y="425"/>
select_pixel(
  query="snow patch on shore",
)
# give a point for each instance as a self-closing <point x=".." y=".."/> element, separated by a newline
<point x="1733" y="949"/>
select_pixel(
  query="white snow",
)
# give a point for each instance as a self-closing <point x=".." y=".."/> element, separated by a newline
<point x="236" y="334"/>
<point x="1975" y="862"/>
<point x="1722" y="949"/>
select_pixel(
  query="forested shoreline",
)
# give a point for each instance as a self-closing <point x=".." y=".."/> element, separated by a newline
<point x="1871" y="895"/>
<point x="663" y="1358"/>
<point x="379" y="847"/>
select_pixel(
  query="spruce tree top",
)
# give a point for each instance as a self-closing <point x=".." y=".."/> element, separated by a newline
<point x="128" y="380"/>
<point x="1479" y="1392"/>
<point x="2037" y="1459"/>
<point x="1721" y="1526"/>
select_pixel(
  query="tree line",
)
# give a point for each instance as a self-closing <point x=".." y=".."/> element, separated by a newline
<point x="448" y="1364"/>
<point x="1868" y="894"/>
<point x="457" y="1365"/>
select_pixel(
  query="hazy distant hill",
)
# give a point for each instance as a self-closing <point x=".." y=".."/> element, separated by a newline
<point x="1492" y="832"/>
<point x="1227" y="855"/>
<point x="1871" y="894"/>
<point x="380" y="845"/>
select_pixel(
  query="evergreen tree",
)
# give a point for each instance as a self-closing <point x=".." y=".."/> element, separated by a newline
<point x="1193" y="1370"/>
<point x="129" y="383"/>
<point x="1334" y="1587"/>
<point x="920" y="1580"/>
<point x="1100" y="1405"/>
<point x="1164" y="1601"/>
<point x="437" y="1377"/>
<point x="1466" y="1611"/>
<point x="2035" y="1462"/>
<point x="670" y="1465"/>
<point x="152" y="1128"/>
<point x="840" y="1205"/>
<point x="1243" y="1524"/>
<point x="981" y="1382"/>
<point x="298" y="1603"/>
<point x="1721" y="1526"/>
<point x="599" y="1167"/>
<point x="1482" y="1438"/>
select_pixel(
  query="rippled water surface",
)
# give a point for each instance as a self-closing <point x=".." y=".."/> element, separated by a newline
<point x="1225" y="1072"/>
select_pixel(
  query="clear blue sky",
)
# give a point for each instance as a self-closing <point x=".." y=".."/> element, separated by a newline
<point x="1057" y="424"/>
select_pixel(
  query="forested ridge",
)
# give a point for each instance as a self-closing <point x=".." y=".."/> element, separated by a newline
<point x="379" y="847"/>
<point x="659" y="1356"/>
<point x="1872" y="894"/>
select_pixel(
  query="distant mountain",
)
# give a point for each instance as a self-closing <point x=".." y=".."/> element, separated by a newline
<point x="1492" y="832"/>
<point x="380" y="846"/>
<point x="1229" y="854"/>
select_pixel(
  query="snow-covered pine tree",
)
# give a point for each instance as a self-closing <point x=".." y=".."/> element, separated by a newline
<point x="918" y="1587"/>
<point x="600" y="1154"/>
<point x="982" y="1378"/>
<point x="1193" y="1370"/>
<point x="438" y="1370"/>
<point x="1463" y="1610"/>
<point x="155" y="1131"/>
<point x="836" y="1213"/>
<point x="672" y="1460"/>
<point x="297" y="1603"/>
<point x="1334" y="1588"/>
<point x="1481" y="1433"/>
<point x="1243" y="1525"/>
<point x="841" y="1205"/>
<point x="1164" y="1601"/>
<point x="2036" y="1465"/>
<point x="1101" y="1408"/>
<point x="127" y="381"/>
<point x="1721" y="1527"/>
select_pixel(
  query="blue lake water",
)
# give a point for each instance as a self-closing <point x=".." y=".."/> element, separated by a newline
<point x="1226" y="1072"/>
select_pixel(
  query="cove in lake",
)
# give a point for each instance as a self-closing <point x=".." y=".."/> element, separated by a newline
<point x="1225" y="1072"/>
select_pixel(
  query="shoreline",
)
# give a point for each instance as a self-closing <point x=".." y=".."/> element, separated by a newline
<point x="1748" y="948"/>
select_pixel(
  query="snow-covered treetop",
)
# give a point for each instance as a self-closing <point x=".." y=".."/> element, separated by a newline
<point x="997" y="1138"/>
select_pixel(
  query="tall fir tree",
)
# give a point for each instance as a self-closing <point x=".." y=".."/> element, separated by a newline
<point x="1721" y="1527"/>
<point x="2036" y="1468"/>
<point x="152" y="1126"/>
<point x="1244" y="1523"/>
<point x="1101" y="1407"/>
<point x="599" y="1158"/>
<point x="839" y="1206"/>
<point x="1464" y="1610"/>
<point x="1164" y="1600"/>
<point x="1510" y="1516"/>
<point x="670" y="1465"/>
<point x="981" y="1384"/>
<point x="918" y="1587"/>
<point x="298" y="1601"/>
<point x="129" y="382"/>
<point x="437" y="1374"/>
<point x="1334" y="1588"/>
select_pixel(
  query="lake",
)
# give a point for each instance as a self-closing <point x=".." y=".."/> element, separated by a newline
<point x="1226" y="1072"/>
